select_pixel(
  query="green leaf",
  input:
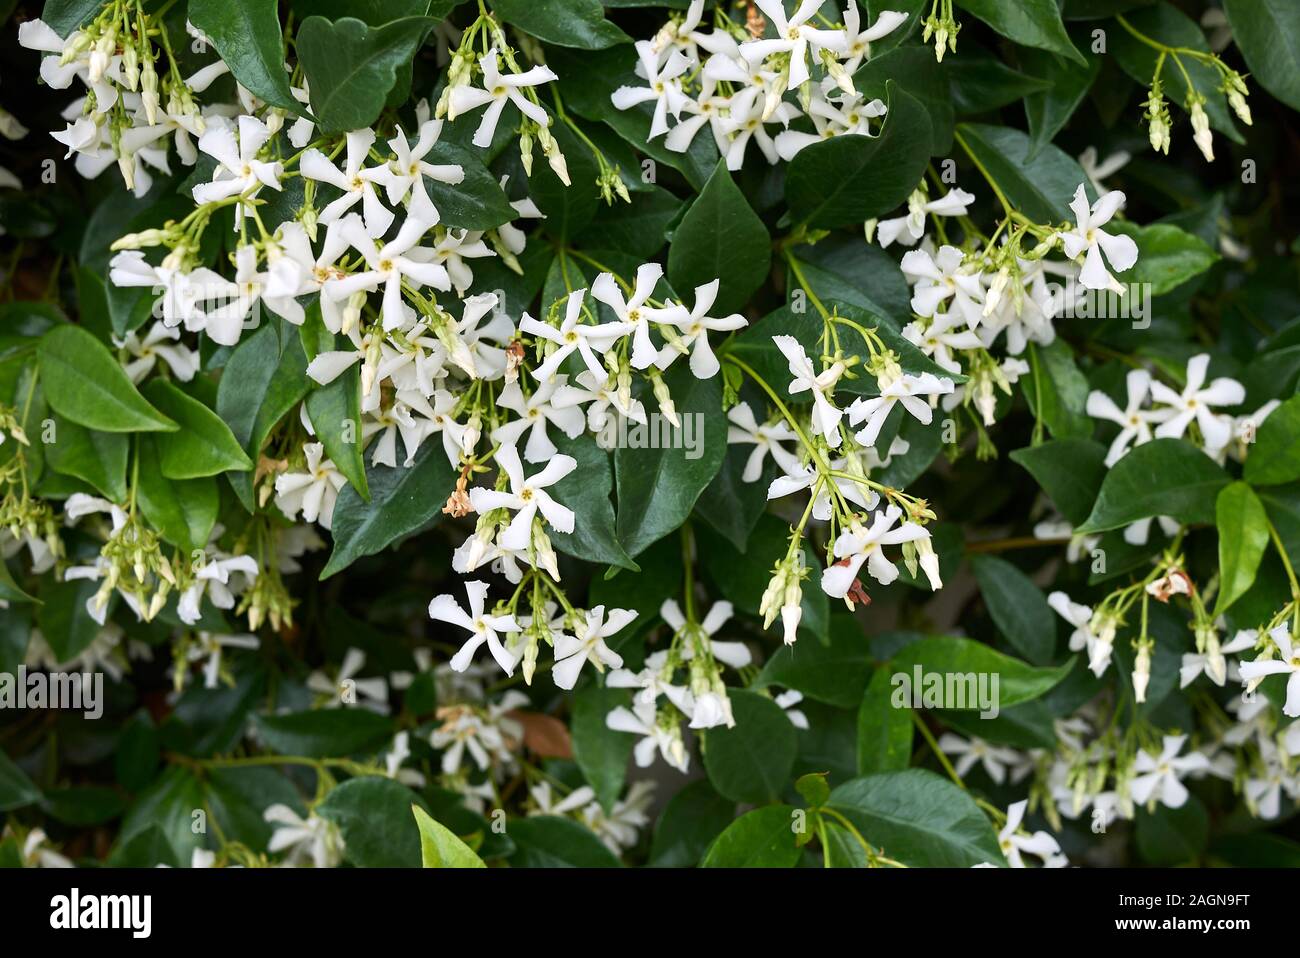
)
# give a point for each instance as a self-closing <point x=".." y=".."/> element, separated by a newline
<point x="65" y="16"/>
<point x="325" y="733"/>
<point x="813" y="788"/>
<point x="350" y="66"/>
<point x="1267" y="32"/>
<point x="601" y="753"/>
<point x="265" y="377"/>
<point x="203" y="446"/>
<point x="475" y="203"/>
<point x="182" y="510"/>
<point x="918" y="818"/>
<point x="763" y="838"/>
<point x="1057" y="391"/>
<point x="1031" y="23"/>
<point x="1047" y="111"/>
<point x="335" y="414"/>
<point x="566" y="23"/>
<point x="373" y="814"/>
<point x="849" y="178"/>
<point x="1164" y="477"/>
<point x="884" y="729"/>
<point x="440" y="847"/>
<point x="237" y="797"/>
<point x="247" y="35"/>
<point x="403" y="500"/>
<point x="981" y="82"/>
<point x="545" y="841"/>
<point x="586" y="491"/>
<point x="9" y="592"/>
<point x="689" y="823"/>
<point x="1070" y="471"/>
<point x="1173" y="836"/>
<point x="166" y="808"/>
<point x="914" y="70"/>
<point x="1039" y="183"/>
<point x="1243" y="537"/>
<point x="1167" y="255"/>
<point x="1017" y="606"/>
<point x="63" y="619"/>
<point x="751" y="762"/>
<point x="97" y="457"/>
<point x="657" y="488"/>
<point x="1274" y="458"/>
<point x="835" y="672"/>
<point x="16" y="789"/>
<point x="83" y="382"/>
<point x="720" y="237"/>
<point x="968" y="670"/>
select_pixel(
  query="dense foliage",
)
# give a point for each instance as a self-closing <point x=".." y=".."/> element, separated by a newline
<point x="727" y="433"/>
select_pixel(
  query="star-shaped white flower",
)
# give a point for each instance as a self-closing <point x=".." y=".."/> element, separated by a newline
<point x="482" y="626"/>
<point x="526" y="497"/>
<point x="1196" y="401"/>
<point x="1089" y="240"/>
<point x="825" y="417"/>
<point x="499" y="89"/>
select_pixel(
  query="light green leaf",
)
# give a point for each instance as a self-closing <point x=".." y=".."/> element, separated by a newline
<point x="884" y="730"/>
<point x="967" y="670"/>
<point x="763" y="838"/>
<point x="440" y="847"/>
<point x="919" y="819"/>
<point x="1243" y="537"/>
<point x="203" y="446"/>
<point x="1274" y="458"/>
<point x="83" y="382"/>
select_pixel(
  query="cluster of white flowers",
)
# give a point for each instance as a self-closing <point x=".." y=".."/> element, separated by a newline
<point x="744" y="85"/>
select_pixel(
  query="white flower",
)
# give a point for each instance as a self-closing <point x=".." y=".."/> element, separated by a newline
<point x="939" y="278"/>
<point x="1091" y="632"/>
<point x="498" y="89"/>
<point x="744" y="428"/>
<point x="1196" y="402"/>
<point x="787" y="700"/>
<point x="907" y="391"/>
<point x="1088" y="239"/>
<point x="313" y="838"/>
<point x="1133" y="420"/>
<point x="339" y="690"/>
<point x="1158" y="776"/>
<point x="695" y="326"/>
<point x="212" y="580"/>
<point x="663" y="86"/>
<point x="825" y="417"/>
<point x="546" y="805"/>
<point x="587" y="644"/>
<point x="858" y="41"/>
<point x="357" y="184"/>
<point x="161" y="342"/>
<point x="602" y="393"/>
<point x="734" y="654"/>
<point x="36" y="852"/>
<point x="535" y="411"/>
<point x="397" y="261"/>
<point x="1287" y="664"/>
<point x="525" y="497"/>
<point x="1013" y="842"/>
<point x="633" y="310"/>
<point x="859" y="544"/>
<point x="993" y="758"/>
<point x="938" y="336"/>
<point x="572" y="335"/>
<point x="483" y="627"/>
<point x="619" y="828"/>
<point x="642" y="720"/>
<point x="794" y="36"/>
<point x="1097" y="170"/>
<point x="239" y="172"/>
<point x="314" y="492"/>
<point x="407" y="172"/>
<point x="909" y="229"/>
<point x="209" y="649"/>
